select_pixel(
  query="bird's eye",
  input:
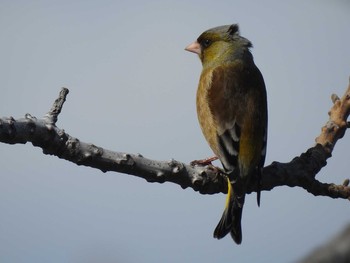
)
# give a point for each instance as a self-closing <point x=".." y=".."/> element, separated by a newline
<point x="206" y="43"/>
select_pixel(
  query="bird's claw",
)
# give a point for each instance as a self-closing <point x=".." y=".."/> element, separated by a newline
<point x="204" y="162"/>
<point x="208" y="162"/>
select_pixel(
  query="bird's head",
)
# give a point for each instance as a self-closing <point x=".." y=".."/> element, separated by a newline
<point x="219" y="45"/>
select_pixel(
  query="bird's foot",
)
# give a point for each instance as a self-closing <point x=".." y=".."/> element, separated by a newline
<point x="208" y="162"/>
<point x="204" y="162"/>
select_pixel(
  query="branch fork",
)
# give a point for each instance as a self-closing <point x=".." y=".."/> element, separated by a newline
<point x="300" y="172"/>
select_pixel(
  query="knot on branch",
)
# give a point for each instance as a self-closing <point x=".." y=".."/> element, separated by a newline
<point x="8" y="128"/>
<point x="126" y="159"/>
<point x="31" y="126"/>
<point x="176" y="166"/>
<point x="73" y="146"/>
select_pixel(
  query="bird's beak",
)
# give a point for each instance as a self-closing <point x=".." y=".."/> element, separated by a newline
<point x="194" y="47"/>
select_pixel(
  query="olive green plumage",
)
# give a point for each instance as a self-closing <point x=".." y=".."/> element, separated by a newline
<point x="232" y="112"/>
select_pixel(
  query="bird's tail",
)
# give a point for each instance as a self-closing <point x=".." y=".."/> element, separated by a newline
<point x="231" y="217"/>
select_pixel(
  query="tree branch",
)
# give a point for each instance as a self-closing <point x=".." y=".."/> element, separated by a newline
<point x="301" y="171"/>
<point x="335" y="250"/>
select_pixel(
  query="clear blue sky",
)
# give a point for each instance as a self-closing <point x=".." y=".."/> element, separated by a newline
<point x="132" y="89"/>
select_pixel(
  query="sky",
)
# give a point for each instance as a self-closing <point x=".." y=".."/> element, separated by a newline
<point x="132" y="89"/>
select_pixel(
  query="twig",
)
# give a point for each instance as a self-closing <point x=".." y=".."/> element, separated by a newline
<point x="52" y="116"/>
<point x="337" y="124"/>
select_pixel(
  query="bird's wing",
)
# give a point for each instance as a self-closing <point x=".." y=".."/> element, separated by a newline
<point x="235" y="102"/>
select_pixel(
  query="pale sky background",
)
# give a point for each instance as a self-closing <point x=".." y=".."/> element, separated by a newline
<point x="132" y="89"/>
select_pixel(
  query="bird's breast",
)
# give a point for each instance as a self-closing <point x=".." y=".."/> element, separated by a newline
<point x="205" y="116"/>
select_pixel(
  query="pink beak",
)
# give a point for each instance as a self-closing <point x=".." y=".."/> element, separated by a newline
<point x="194" y="47"/>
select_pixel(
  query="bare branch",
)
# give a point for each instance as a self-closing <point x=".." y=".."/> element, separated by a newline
<point x="301" y="171"/>
<point x="336" y="250"/>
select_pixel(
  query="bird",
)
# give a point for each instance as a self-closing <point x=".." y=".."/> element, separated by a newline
<point x="231" y="105"/>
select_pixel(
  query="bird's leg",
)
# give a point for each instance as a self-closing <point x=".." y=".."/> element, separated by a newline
<point x="208" y="162"/>
<point x="204" y="162"/>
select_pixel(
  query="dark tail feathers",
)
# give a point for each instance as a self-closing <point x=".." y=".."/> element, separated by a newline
<point x="231" y="217"/>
